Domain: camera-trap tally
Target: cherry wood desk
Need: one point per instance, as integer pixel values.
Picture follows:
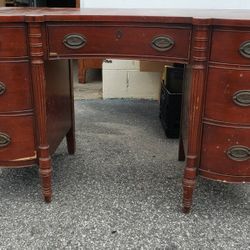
(36, 99)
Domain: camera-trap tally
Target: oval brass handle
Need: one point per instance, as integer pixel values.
(245, 49)
(74, 41)
(242, 98)
(4, 140)
(238, 153)
(162, 43)
(2, 88)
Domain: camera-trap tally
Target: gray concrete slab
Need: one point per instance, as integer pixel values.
(122, 190)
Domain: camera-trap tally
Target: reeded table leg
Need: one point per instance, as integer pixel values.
(39, 92)
(195, 102)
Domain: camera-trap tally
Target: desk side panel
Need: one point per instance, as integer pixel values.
(58, 103)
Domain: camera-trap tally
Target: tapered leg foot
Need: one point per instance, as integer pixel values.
(189, 181)
(45, 170)
(181, 155)
(186, 210)
(47, 199)
(187, 195)
(71, 145)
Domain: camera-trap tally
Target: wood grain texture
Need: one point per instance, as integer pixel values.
(229, 17)
(20, 129)
(121, 41)
(58, 101)
(217, 140)
(226, 44)
(207, 41)
(223, 84)
(13, 41)
(17, 95)
(39, 91)
(198, 70)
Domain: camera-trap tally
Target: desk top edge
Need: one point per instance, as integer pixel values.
(202, 16)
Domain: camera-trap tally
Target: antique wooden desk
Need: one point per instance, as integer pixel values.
(36, 100)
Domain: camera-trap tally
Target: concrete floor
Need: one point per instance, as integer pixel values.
(92, 89)
(121, 190)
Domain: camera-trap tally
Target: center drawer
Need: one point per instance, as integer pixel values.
(77, 40)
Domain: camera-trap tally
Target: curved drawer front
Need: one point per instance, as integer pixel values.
(226, 150)
(231, 47)
(16, 138)
(228, 95)
(118, 40)
(14, 87)
(13, 41)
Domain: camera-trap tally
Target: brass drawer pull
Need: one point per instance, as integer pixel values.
(245, 49)
(238, 153)
(2, 88)
(4, 140)
(74, 41)
(242, 97)
(162, 43)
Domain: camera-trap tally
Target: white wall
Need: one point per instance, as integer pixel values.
(209, 4)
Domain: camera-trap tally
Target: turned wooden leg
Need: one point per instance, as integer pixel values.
(81, 71)
(189, 181)
(45, 170)
(71, 145)
(194, 101)
(181, 154)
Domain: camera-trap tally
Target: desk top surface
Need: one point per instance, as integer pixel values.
(188, 16)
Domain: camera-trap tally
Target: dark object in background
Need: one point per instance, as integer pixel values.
(27, 3)
(61, 3)
(171, 99)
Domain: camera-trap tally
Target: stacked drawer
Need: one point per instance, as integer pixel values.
(16, 110)
(226, 132)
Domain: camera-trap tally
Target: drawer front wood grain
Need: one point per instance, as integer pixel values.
(115, 40)
(228, 95)
(15, 87)
(13, 41)
(231, 46)
(16, 138)
(226, 150)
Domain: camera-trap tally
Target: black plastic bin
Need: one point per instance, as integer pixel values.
(171, 99)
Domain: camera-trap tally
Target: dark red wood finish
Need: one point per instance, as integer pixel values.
(58, 103)
(122, 41)
(223, 84)
(210, 42)
(16, 78)
(226, 44)
(20, 129)
(217, 140)
(13, 40)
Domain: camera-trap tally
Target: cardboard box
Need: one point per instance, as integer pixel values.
(2, 3)
(131, 84)
(151, 66)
